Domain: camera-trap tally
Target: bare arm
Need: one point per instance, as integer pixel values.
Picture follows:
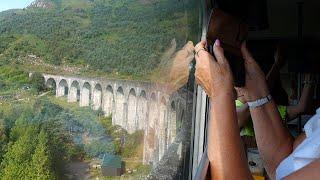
(301, 107)
(243, 113)
(225, 152)
(273, 140)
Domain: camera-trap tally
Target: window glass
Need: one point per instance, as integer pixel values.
(96, 88)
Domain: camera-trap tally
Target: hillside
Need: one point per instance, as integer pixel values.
(122, 37)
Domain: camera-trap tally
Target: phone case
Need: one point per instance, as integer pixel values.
(231, 32)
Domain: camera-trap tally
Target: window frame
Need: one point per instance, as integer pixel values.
(200, 117)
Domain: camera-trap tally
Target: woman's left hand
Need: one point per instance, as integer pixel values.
(213, 75)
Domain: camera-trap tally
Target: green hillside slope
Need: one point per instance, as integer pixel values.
(123, 37)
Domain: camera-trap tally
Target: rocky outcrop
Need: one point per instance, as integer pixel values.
(45, 4)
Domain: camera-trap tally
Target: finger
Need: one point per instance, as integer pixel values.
(245, 53)
(200, 45)
(239, 91)
(189, 46)
(218, 52)
(202, 53)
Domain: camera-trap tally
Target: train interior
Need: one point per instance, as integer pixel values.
(287, 32)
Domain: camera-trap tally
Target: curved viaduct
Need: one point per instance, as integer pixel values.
(133, 105)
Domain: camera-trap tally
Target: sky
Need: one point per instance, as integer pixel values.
(14, 4)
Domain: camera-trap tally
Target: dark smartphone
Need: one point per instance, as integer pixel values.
(231, 32)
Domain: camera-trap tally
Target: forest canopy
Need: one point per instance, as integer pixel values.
(122, 37)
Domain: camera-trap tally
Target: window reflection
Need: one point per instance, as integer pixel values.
(102, 86)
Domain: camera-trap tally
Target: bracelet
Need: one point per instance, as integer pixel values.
(260, 102)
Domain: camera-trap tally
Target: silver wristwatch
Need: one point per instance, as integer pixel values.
(260, 102)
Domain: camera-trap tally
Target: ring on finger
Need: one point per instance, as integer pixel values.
(202, 49)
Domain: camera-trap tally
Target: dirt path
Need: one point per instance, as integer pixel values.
(43, 94)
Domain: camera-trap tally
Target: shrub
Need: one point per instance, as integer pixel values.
(37, 82)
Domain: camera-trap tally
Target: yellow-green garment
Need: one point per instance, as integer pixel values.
(247, 130)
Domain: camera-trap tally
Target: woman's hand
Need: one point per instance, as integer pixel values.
(214, 76)
(256, 85)
(179, 72)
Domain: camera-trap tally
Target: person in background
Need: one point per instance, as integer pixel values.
(284, 157)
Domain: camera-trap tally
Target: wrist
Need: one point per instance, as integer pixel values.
(260, 102)
(221, 91)
(257, 95)
(222, 96)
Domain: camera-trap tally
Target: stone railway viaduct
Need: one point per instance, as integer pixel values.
(133, 105)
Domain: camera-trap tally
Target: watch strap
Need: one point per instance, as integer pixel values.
(260, 102)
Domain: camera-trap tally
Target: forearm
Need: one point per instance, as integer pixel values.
(225, 152)
(305, 97)
(273, 139)
(301, 107)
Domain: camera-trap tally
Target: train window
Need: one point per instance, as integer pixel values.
(98, 89)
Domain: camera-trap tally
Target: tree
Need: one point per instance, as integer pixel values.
(41, 164)
(37, 81)
(17, 159)
(3, 138)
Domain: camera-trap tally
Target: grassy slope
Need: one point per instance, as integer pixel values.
(123, 38)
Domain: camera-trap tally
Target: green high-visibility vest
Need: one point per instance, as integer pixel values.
(247, 130)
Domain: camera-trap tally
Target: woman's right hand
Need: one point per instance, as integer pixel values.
(256, 84)
(213, 75)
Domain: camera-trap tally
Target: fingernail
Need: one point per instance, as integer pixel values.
(217, 43)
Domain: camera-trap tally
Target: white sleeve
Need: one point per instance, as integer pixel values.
(313, 124)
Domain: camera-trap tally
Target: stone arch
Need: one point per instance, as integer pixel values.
(51, 85)
(108, 101)
(120, 108)
(179, 112)
(182, 115)
(63, 88)
(172, 122)
(97, 97)
(153, 110)
(85, 97)
(142, 109)
(153, 97)
(74, 92)
(152, 137)
(162, 127)
(132, 111)
(173, 106)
